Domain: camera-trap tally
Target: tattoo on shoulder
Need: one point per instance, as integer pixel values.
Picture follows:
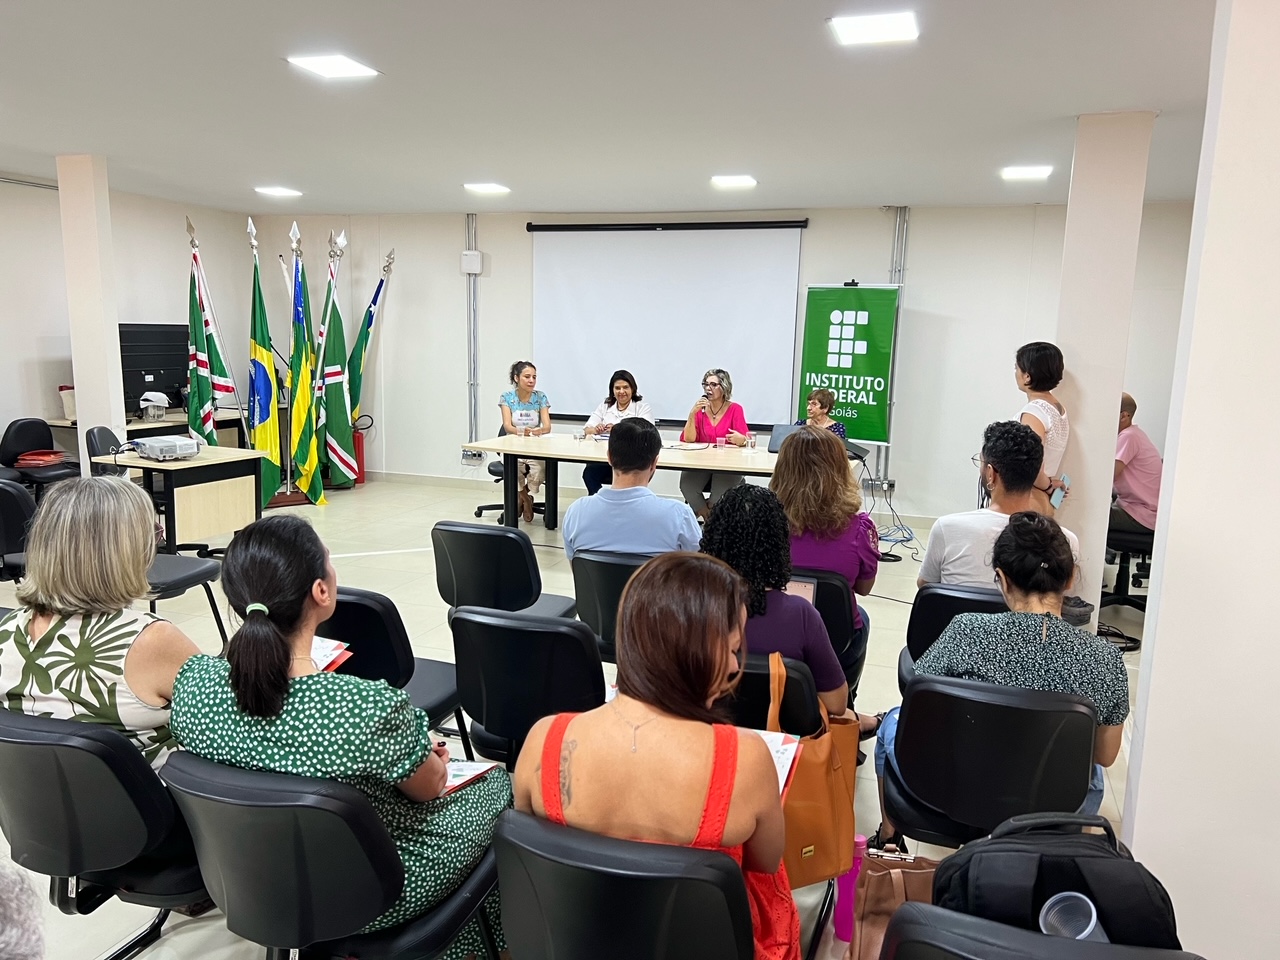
(566, 774)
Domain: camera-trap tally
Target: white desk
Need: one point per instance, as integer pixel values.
(556, 447)
(175, 421)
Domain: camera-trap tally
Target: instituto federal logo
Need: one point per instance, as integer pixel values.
(842, 338)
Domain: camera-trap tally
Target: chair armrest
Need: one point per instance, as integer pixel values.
(906, 669)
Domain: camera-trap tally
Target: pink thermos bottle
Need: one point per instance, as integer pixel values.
(846, 892)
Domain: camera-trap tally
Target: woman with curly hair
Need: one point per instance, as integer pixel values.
(748, 530)
(829, 531)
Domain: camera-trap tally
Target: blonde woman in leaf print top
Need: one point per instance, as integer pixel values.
(75, 649)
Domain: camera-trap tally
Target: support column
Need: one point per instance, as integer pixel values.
(89, 256)
(1099, 259)
(1203, 777)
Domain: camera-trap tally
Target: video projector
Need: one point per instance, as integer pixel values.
(166, 448)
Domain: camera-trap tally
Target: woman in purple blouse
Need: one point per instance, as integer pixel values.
(829, 531)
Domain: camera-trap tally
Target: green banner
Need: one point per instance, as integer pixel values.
(848, 349)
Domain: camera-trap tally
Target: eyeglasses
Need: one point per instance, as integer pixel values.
(977, 460)
(711, 383)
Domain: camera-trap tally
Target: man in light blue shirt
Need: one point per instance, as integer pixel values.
(628, 517)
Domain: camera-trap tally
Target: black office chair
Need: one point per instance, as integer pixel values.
(935, 606)
(1129, 546)
(572, 895)
(370, 625)
(516, 668)
(79, 804)
(482, 566)
(971, 755)
(498, 472)
(834, 602)
(748, 705)
(102, 442)
(298, 863)
(8, 474)
(17, 507)
(921, 931)
(598, 579)
(23, 436)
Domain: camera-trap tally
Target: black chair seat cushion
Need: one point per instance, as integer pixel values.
(13, 566)
(155, 882)
(1126, 541)
(434, 688)
(7, 473)
(495, 469)
(488, 745)
(50, 474)
(171, 575)
(915, 818)
(553, 605)
(424, 937)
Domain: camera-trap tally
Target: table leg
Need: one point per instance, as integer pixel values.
(551, 494)
(510, 490)
(170, 509)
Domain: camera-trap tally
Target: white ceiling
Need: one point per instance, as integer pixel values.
(592, 105)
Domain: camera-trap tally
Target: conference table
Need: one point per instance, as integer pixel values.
(214, 493)
(553, 448)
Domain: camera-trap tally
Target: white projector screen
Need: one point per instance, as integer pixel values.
(667, 305)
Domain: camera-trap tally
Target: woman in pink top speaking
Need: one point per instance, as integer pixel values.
(712, 418)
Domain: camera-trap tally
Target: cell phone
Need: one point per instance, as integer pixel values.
(1060, 494)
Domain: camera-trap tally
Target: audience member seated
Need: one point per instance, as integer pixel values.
(959, 549)
(267, 707)
(1038, 368)
(748, 530)
(1137, 475)
(658, 763)
(820, 403)
(1031, 646)
(624, 401)
(820, 495)
(74, 649)
(629, 517)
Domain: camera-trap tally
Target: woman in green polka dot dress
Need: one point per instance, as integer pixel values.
(267, 707)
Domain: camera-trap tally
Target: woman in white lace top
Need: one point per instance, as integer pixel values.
(1038, 368)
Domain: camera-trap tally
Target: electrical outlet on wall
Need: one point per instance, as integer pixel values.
(472, 458)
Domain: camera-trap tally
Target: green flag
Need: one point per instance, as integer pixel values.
(301, 369)
(360, 349)
(264, 426)
(199, 387)
(336, 403)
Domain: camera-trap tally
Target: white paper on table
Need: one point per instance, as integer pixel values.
(324, 651)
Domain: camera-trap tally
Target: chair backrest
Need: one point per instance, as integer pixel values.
(370, 625)
(483, 565)
(834, 601)
(921, 931)
(290, 860)
(937, 603)
(749, 703)
(598, 579)
(17, 507)
(1131, 542)
(572, 895)
(29, 433)
(982, 753)
(100, 441)
(76, 797)
(779, 432)
(516, 668)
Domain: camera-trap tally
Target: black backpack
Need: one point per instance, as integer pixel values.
(1009, 875)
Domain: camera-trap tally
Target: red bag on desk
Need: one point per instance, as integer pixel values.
(40, 458)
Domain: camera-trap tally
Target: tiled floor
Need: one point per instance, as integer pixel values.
(380, 539)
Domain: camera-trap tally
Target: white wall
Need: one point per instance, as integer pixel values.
(979, 282)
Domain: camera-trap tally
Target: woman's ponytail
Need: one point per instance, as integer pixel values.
(267, 576)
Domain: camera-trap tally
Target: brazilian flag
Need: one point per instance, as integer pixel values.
(264, 427)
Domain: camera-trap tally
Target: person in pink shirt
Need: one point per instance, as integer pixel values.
(713, 417)
(1137, 475)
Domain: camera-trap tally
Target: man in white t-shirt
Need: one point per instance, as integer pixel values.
(959, 550)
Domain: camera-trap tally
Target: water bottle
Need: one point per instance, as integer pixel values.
(846, 892)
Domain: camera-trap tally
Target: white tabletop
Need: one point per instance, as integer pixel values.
(564, 446)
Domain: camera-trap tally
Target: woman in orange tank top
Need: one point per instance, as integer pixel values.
(656, 763)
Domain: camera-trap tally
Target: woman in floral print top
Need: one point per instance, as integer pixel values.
(74, 649)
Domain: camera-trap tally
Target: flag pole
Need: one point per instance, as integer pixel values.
(203, 290)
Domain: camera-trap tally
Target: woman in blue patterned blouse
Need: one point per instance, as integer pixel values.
(820, 404)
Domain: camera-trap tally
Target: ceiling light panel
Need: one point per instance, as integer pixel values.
(333, 66)
(877, 28)
(489, 188)
(1026, 173)
(735, 181)
(278, 191)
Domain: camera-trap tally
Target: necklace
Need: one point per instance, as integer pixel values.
(635, 727)
(715, 414)
(310, 660)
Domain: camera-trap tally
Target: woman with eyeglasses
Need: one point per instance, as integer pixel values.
(714, 417)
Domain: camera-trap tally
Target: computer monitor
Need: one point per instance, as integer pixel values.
(153, 356)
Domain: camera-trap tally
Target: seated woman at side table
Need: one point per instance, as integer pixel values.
(1031, 646)
(712, 418)
(658, 763)
(74, 649)
(267, 707)
(829, 531)
(623, 401)
(526, 411)
(820, 403)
